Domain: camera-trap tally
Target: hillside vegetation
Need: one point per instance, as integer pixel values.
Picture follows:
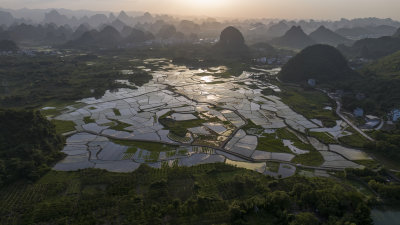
(206, 194)
(7, 45)
(32, 82)
(387, 67)
(29, 145)
(372, 48)
(321, 62)
(380, 83)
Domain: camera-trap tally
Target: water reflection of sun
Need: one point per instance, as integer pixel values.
(207, 79)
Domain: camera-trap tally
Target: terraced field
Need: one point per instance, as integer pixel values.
(183, 110)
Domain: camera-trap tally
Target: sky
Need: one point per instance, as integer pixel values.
(288, 9)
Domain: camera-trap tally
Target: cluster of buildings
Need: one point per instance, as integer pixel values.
(30, 52)
(372, 122)
(273, 60)
(394, 115)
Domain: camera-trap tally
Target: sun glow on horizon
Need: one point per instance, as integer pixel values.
(204, 5)
(207, 3)
(283, 9)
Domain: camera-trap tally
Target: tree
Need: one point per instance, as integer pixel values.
(29, 145)
(305, 218)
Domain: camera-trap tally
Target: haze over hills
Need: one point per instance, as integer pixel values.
(271, 28)
(278, 29)
(294, 38)
(7, 45)
(325, 36)
(6, 18)
(397, 34)
(109, 37)
(369, 31)
(372, 48)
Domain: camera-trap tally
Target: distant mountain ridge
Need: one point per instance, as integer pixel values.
(6, 18)
(7, 45)
(109, 37)
(326, 36)
(357, 33)
(278, 29)
(294, 38)
(397, 34)
(372, 48)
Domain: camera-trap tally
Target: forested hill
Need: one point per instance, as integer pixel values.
(372, 48)
(29, 145)
(380, 83)
(388, 66)
(7, 45)
(323, 63)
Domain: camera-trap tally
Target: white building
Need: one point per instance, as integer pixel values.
(312, 82)
(358, 112)
(395, 115)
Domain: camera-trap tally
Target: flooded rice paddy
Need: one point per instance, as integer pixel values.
(130, 127)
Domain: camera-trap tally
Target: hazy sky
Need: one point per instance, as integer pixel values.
(291, 9)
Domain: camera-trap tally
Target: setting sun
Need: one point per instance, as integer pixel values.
(207, 3)
(203, 6)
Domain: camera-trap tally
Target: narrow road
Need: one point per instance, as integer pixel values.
(339, 113)
(380, 125)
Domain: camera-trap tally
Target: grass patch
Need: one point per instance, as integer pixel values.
(204, 74)
(119, 126)
(284, 133)
(153, 157)
(307, 170)
(371, 164)
(251, 128)
(323, 137)
(270, 143)
(273, 142)
(216, 82)
(50, 112)
(131, 149)
(251, 125)
(355, 140)
(117, 112)
(63, 126)
(225, 74)
(310, 103)
(182, 152)
(253, 86)
(273, 166)
(171, 153)
(88, 120)
(180, 128)
(314, 158)
(149, 146)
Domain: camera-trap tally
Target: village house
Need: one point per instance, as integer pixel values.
(358, 112)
